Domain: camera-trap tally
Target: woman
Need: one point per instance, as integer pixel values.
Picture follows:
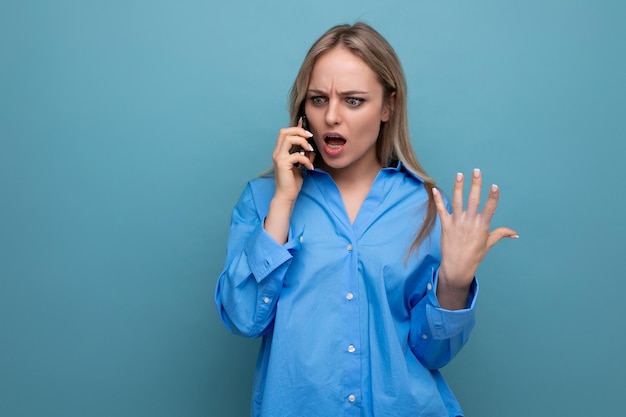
(345, 259)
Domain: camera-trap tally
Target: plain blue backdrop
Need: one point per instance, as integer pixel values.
(129, 128)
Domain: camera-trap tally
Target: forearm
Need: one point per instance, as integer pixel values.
(450, 296)
(249, 287)
(277, 221)
(255, 266)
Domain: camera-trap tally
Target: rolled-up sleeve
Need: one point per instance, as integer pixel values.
(437, 335)
(264, 254)
(250, 284)
(445, 324)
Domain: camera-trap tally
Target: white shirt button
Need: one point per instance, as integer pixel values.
(266, 300)
(349, 247)
(429, 286)
(424, 336)
(351, 348)
(301, 239)
(349, 296)
(352, 398)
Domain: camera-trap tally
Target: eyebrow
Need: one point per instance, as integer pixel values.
(342, 93)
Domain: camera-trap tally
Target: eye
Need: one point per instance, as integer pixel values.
(354, 101)
(318, 100)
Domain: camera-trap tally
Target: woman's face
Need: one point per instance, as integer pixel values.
(345, 105)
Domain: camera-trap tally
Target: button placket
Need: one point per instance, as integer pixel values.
(351, 337)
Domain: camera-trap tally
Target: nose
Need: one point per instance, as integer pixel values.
(333, 113)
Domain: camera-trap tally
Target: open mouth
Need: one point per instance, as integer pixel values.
(334, 142)
(334, 145)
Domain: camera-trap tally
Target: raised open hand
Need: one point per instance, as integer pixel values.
(465, 239)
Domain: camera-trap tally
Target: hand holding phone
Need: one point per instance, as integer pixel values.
(298, 148)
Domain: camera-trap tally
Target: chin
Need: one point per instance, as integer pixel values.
(334, 163)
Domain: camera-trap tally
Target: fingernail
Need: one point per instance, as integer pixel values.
(459, 177)
(494, 188)
(309, 133)
(300, 121)
(515, 237)
(435, 191)
(302, 153)
(311, 148)
(476, 172)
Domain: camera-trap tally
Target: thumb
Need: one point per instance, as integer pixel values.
(500, 233)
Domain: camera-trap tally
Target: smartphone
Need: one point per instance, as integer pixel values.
(305, 125)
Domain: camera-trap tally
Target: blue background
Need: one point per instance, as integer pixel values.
(129, 128)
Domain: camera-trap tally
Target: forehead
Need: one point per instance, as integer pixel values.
(342, 69)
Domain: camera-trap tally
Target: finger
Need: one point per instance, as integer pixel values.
(286, 162)
(311, 158)
(296, 166)
(299, 144)
(474, 195)
(500, 233)
(439, 204)
(286, 132)
(491, 205)
(304, 159)
(457, 198)
(291, 141)
(303, 131)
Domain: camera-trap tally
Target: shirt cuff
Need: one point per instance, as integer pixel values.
(443, 323)
(265, 254)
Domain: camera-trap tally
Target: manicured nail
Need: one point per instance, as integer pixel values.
(435, 191)
(476, 172)
(494, 188)
(309, 134)
(311, 148)
(459, 177)
(515, 237)
(302, 153)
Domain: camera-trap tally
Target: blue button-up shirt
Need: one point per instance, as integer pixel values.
(351, 326)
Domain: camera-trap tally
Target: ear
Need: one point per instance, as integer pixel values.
(388, 107)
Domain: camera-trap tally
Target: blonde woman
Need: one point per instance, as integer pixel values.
(345, 259)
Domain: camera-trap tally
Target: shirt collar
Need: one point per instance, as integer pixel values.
(394, 166)
(398, 166)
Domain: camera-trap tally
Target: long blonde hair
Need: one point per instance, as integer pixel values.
(394, 142)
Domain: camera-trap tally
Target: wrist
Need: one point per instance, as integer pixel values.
(452, 294)
(454, 283)
(282, 202)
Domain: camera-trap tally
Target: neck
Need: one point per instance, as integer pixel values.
(355, 176)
